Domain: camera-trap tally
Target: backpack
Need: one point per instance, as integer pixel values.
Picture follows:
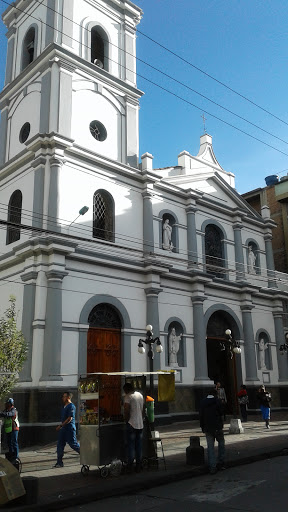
(243, 400)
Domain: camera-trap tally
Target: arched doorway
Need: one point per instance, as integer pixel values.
(104, 355)
(221, 366)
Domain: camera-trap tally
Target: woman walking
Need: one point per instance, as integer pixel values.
(264, 398)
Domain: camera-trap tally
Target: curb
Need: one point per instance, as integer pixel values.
(137, 486)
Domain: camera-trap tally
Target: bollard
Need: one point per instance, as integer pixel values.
(195, 452)
(31, 486)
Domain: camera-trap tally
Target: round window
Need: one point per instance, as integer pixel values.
(24, 132)
(98, 130)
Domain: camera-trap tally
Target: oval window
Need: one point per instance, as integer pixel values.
(98, 130)
(24, 132)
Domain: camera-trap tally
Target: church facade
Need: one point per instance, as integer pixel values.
(94, 245)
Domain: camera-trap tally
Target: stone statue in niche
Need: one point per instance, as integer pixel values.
(251, 260)
(261, 349)
(167, 244)
(174, 345)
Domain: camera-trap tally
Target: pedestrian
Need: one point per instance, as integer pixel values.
(243, 401)
(133, 415)
(11, 429)
(67, 429)
(264, 398)
(211, 423)
(222, 396)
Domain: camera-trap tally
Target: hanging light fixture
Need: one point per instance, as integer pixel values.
(234, 346)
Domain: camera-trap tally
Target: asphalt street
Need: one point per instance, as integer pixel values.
(258, 487)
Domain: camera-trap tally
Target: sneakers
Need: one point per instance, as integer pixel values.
(267, 426)
(212, 471)
(58, 465)
(220, 466)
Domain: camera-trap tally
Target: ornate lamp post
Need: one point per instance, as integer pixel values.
(149, 340)
(284, 348)
(234, 346)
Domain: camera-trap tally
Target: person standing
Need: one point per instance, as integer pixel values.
(11, 429)
(67, 429)
(222, 396)
(211, 423)
(243, 401)
(133, 415)
(264, 398)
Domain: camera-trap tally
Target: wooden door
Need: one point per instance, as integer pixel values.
(104, 355)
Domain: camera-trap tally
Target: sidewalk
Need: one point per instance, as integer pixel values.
(67, 486)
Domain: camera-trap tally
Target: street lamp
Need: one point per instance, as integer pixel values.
(233, 345)
(284, 348)
(82, 211)
(149, 340)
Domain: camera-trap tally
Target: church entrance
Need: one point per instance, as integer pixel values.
(104, 355)
(222, 365)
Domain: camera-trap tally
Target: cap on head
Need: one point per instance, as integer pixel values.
(10, 401)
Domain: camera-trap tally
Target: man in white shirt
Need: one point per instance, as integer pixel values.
(133, 414)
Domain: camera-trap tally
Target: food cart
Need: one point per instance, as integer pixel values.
(101, 422)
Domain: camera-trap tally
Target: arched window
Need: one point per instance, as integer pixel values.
(103, 215)
(14, 216)
(214, 254)
(99, 47)
(29, 48)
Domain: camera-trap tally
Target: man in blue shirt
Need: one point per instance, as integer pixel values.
(67, 429)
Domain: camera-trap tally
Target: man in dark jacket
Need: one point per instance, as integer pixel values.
(211, 423)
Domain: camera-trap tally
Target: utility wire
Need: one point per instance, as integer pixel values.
(172, 93)
(211, 77)
(103, 249)
(168, 76)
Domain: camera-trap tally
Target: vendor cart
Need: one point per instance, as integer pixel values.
(102, 427)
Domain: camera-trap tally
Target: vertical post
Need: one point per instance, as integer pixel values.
(270, 261)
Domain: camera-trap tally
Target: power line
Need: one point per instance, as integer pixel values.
(168, 76)
(172, 93)
(211, 77)
(109, 250)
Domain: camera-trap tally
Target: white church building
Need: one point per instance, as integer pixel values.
(177, 248)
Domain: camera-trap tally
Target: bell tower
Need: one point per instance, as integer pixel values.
(71, 74)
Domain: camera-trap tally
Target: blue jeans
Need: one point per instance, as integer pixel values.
(210, 438)
(66, 435)
(265, 412)
(12, 441)
(134, 443)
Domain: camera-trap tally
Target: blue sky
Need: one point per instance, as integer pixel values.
(240, 43)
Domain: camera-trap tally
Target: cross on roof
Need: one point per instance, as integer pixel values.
(204, 119)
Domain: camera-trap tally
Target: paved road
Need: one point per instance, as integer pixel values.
(258, 487)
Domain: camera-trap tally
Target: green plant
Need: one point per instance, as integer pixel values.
(13, 349)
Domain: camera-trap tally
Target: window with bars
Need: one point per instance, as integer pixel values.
(14, 216)
(214, 251)
(103, 216)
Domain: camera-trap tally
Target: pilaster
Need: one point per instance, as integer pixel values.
(148, 231)
(199, 331)
(279, 338)
(53, 327)
(249, 343)
(28, 309)
(239, 257)
(191, 236)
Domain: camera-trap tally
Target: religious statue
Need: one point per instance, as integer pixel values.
(174, 343)
(261, 348)
(167, 236)
(251, 260)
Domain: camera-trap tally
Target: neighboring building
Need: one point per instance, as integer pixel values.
(86, 288)
(274, 195)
